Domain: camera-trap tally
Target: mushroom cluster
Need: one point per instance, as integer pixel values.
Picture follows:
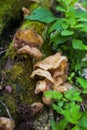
(53, 73)
(27, 41)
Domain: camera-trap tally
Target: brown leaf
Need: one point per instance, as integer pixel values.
(42, 73)
(6, 123)
(51, 62)
(33, 51)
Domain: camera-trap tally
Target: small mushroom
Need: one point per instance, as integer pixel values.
(6, 123)
(36, 107)
(42, 85)
(42, 73)
(47, 101)
(33, 51)
(25, 11)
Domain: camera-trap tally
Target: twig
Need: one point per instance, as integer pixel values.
(7, 110)
(83, 108)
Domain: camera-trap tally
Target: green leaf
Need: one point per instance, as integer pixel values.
(57, 25)
(60, 8)
(61, 125)
(73, 95)
(53, 94)
(71, 112)
(83, 121)
(78, 44)
(53, 125)
(42, 15)
(66, 33)
(76, 127)
(83, 83)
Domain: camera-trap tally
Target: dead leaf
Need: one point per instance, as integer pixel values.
(33, 51)
(42, 73)
(6, 123)
(51, 62)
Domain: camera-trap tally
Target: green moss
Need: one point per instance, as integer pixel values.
(8, 99)
(10, 11)
(37, 26)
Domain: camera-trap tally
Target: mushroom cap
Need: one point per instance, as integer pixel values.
(42, 85)
(47, 101)
(64, 87)
(51, 62)
(6, 123)
(27, 37)
(33, 51)
(36, 107)
(42, 73)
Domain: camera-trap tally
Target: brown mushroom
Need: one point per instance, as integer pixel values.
(25, 11)
(47, 101)
(51, 62)
(33, 51)
(42, 85)
(42, 73)
(26, 41)
(27, 37)
(6, 123)
(37, 106)
(64, 87)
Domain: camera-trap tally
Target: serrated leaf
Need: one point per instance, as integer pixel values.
(66, 33)
(71, 113)
(41, 15)
(53, 125)
(83, 121)
(53, 94)
(78, 44)
(73, 95)
(61, 125)
(83, 84)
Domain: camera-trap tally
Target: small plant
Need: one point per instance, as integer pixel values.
(67, 33)
(66, 105)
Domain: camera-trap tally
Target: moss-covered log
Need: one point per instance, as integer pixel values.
(16, 69)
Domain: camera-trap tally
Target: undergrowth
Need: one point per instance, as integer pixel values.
(67, 32)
